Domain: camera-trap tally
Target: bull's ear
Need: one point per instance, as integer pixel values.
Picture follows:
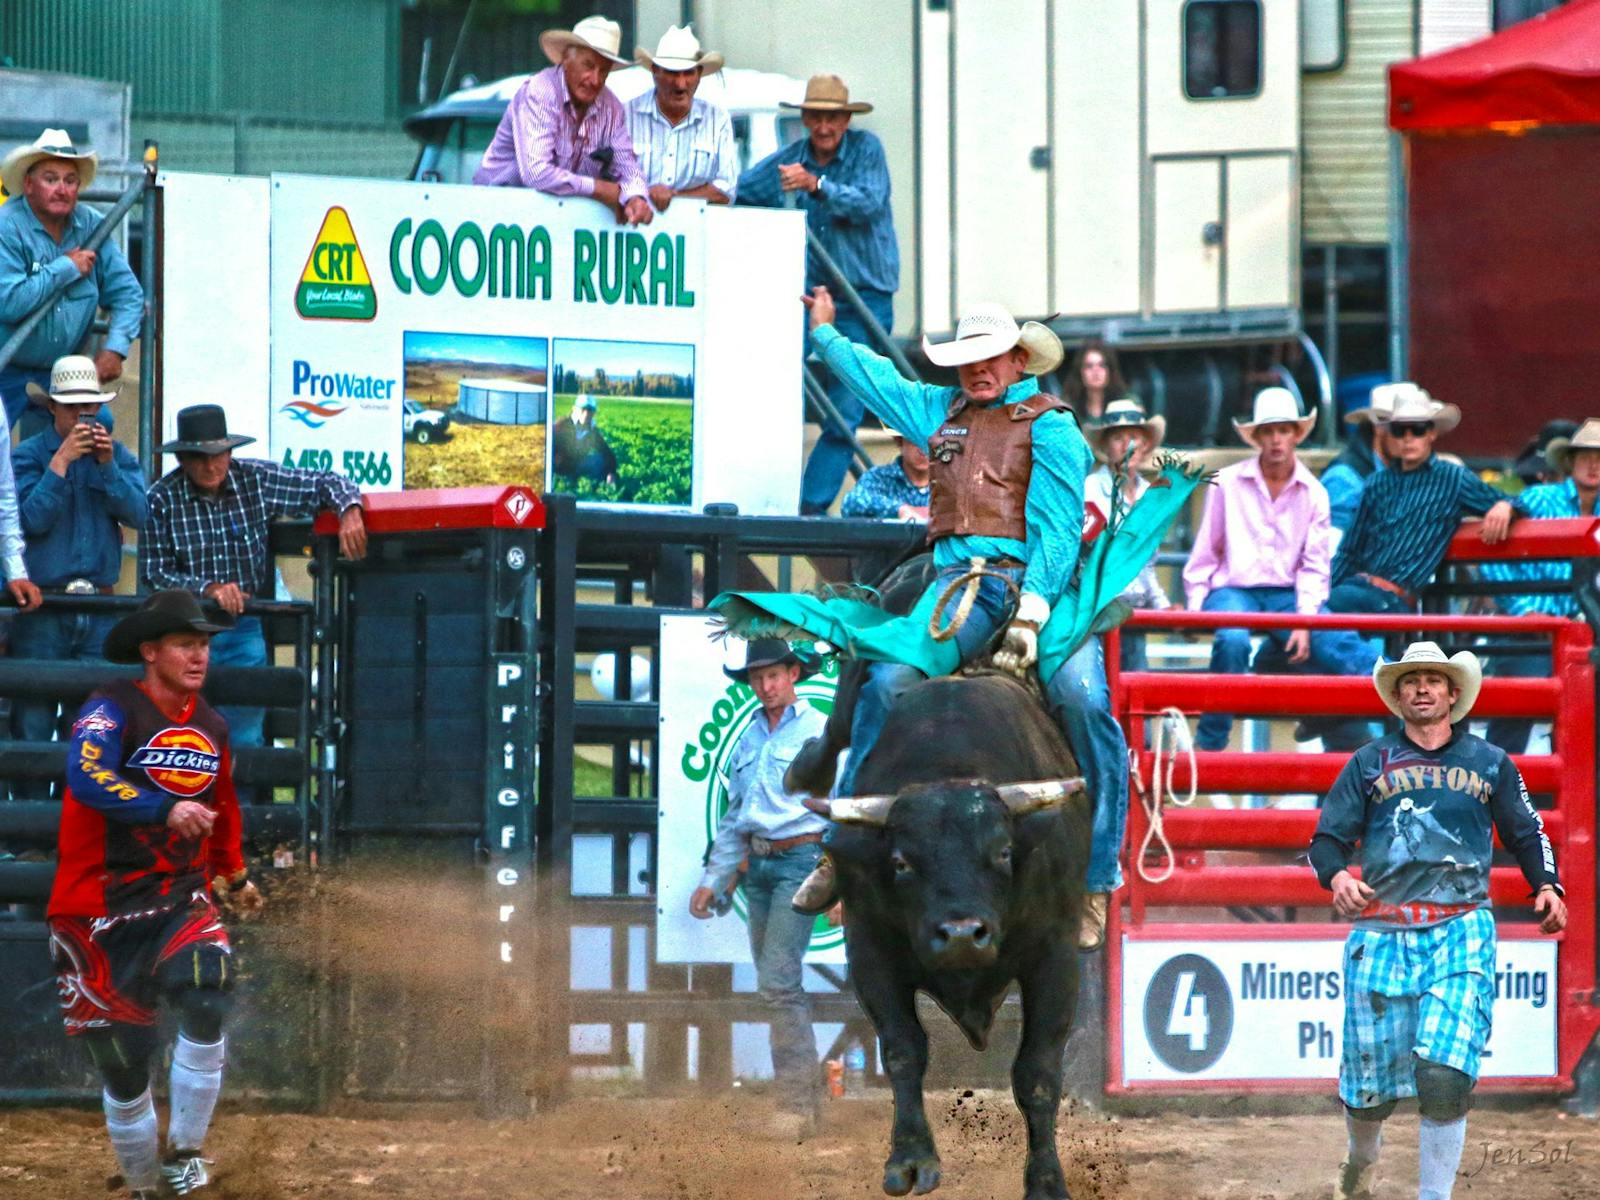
(861, 810)
(1023, 798)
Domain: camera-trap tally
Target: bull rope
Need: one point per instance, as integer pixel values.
(970, 579)
(1155, 797)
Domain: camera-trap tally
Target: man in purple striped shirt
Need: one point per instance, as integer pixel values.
(564, 133)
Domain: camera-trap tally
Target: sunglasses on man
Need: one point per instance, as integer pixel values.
(1417, 429)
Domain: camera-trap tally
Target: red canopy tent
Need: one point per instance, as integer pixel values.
(1503, 171)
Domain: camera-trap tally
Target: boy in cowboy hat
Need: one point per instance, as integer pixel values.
(1262, 545)
(150, 833)
(41, 251)
(564, 132)
(840, 177)
(782, 840)
(1423, 805)
(77, 490)
(1123, 441)
(206, 533)
(685, 145)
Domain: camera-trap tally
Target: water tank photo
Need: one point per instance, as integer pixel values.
(502, 401)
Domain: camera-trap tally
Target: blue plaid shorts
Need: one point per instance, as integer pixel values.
(1426, 992)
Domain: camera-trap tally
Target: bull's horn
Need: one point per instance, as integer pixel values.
(1022, 798)
(861, 810)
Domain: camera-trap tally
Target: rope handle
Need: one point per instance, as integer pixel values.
(971, 578)
(1161, 775)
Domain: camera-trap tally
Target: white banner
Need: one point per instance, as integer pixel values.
(703, 714)
(1269, 1010)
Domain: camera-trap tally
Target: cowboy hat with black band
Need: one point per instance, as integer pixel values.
(203, 429)
(52, 143)
(771, 652)
(166, 612)
(1124, 413)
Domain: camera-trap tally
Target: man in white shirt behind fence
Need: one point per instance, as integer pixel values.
(685, 145)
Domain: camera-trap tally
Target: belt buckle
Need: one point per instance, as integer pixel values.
(759, 846)
(80, 587)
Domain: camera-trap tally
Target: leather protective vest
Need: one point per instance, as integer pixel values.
(981, 460)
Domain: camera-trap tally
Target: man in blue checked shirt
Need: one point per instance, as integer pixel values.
(893, 491)
(1578, 458)
(840, 177)
(207, 533)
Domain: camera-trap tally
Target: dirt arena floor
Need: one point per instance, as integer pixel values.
(715, 1150)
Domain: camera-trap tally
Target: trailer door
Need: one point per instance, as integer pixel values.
(1187, 245)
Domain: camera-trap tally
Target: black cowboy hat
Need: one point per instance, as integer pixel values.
(163, 613)
(203, 429)
(769, 652)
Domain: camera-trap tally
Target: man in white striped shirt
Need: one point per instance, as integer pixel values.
(685, 146)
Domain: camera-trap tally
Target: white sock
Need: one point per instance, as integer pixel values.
(136, 1138)
(1440, 1144)
(1366, 1139)
(196, 1082)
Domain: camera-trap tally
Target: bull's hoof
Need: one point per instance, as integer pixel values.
(1044, 1181)
(911, 1171)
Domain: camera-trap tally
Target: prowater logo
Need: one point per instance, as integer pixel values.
(335, 285)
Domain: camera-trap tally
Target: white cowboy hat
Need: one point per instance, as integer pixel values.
(679, 50)
(600, 34)
(1558, 451)
(989, 330)
(1124, 413)
(73, 380)
(1462, 669)
(1274, 406)
(1413, 404)
(1380, 402)
(827, 93)
(52, 143)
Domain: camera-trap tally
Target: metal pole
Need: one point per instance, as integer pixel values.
(148, 335)
(1330, 312)
(876, 333)
(447, 80)
(830, 416)
(1399, 263)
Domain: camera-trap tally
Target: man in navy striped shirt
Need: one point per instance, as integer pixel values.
(1402, 528)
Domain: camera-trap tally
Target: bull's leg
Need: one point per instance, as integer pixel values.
(1049, 996)
(890, 1002)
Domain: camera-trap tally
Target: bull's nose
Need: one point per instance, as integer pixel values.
(969, 933)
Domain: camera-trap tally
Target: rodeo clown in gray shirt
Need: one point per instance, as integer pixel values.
(782, 840)
(1419, 966)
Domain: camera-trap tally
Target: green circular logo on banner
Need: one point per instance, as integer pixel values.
(730, 716)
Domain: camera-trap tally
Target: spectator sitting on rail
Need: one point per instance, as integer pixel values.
(840, 178)
(565, 133)
(207, 533)
(1094, 379)
(77, 489)
(1262, 546)
(578, 449)
(1124, 441)
(685, 145)
(893, 490)
(1364, 452)
(1403, 525)
(1578, 459)
(1424, 805)
(781, 838)
(41, 248)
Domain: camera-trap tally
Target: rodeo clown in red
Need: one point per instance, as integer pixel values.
(149, 825)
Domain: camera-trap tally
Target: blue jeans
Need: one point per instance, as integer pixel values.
(1346, 652)
(1230, 651)
(830, 457)
(778, 940)
(1080, 701)
(1511, 733)
(886, 681)
(14, 381)
(55, 636)
(242, 646)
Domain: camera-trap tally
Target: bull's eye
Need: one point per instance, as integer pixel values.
(901, 864)
(1004, 857)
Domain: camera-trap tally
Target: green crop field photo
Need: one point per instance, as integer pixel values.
(653, 441)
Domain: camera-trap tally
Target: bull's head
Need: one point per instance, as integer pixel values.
(949, 852)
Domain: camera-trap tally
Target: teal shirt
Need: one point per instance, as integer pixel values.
(1053, 513)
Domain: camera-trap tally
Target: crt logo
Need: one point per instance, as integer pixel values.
(180, 759)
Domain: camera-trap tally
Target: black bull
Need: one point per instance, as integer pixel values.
(953, 888)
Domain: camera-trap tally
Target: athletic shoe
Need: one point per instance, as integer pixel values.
(1356, 1182)
(185, 1174)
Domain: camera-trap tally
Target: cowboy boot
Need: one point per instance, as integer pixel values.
(1092, 929)
(818, 891)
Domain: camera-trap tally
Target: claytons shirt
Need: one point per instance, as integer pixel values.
(1425, 821)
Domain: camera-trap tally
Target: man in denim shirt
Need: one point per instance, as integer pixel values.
(76, 489)
(42, 232)
(782, 840)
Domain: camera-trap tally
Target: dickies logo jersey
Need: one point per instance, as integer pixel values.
(180, 759)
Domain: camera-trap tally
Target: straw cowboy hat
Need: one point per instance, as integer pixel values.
(827, 93)
(203, 429)
(1558, 451)
(73, 380)
(1413, 404)
(1126, 413)
(163, 613)
(989, 330)
(1462, 669)
(1380, 402)
(679, 50)
(1274, 406)
(52, 143)
(600, 34)
(769, 652)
